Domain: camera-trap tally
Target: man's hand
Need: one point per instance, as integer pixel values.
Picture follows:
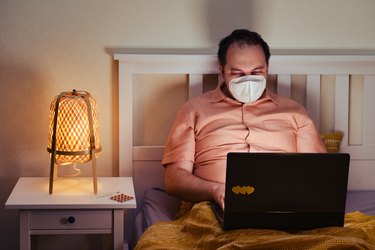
(219, 194)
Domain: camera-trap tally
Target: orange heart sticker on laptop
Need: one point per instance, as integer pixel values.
(243, 190)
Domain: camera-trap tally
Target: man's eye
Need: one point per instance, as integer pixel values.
(236, 73)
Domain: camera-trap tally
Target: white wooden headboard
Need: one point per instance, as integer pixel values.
(337, 90)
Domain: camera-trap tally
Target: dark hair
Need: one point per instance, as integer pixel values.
(241, 37)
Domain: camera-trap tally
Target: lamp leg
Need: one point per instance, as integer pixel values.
(55, 172)
(94, 176)
(51, 175)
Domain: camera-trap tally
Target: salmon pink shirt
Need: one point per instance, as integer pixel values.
(209, 126)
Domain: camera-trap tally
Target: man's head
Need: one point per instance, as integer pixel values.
(244, 53)
(241, 37)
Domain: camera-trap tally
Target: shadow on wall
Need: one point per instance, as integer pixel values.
(222, 18)
(225, 16)
(24, 130)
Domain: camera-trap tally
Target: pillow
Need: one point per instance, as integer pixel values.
(332, 141)
(158, 206)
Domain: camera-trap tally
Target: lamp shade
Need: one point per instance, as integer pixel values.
(73, 131)
(69, 126)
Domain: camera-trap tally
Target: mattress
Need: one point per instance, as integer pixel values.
(361, 200)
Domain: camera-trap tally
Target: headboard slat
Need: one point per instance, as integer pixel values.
(313, 98)
(341, 96)
(284, 83)
(195, 85)
(368, 110)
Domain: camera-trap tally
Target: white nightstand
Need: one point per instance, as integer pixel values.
(71, 209)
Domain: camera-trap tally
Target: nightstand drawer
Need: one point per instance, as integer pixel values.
(70, 219)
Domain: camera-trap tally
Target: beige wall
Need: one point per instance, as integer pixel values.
(47, 47)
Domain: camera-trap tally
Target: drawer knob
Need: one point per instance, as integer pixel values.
(70, 220)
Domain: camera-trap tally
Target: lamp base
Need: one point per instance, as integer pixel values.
(53, 175)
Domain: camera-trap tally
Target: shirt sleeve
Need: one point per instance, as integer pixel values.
(180, 144)
(308, 139)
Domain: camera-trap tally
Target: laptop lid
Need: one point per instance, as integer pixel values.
(285, 190)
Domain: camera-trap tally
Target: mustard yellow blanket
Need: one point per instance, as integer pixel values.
(199, 229)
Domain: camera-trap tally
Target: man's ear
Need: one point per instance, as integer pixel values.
(221, 70)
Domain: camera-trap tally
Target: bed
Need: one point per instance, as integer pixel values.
(337, 91)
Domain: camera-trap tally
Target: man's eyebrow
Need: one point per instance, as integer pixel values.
(259, 67)
(256, 68)
(235, 69)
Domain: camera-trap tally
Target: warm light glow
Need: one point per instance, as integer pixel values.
(73, 186)
(72, 129)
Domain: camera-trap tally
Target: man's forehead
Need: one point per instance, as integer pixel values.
(244, 55)
(243, 45)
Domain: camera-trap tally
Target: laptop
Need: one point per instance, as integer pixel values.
(284, 191)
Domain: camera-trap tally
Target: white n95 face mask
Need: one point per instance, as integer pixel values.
(247, 89)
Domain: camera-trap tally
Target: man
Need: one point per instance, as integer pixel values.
(239, 116)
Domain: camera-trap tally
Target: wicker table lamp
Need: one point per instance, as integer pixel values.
(73, 132)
